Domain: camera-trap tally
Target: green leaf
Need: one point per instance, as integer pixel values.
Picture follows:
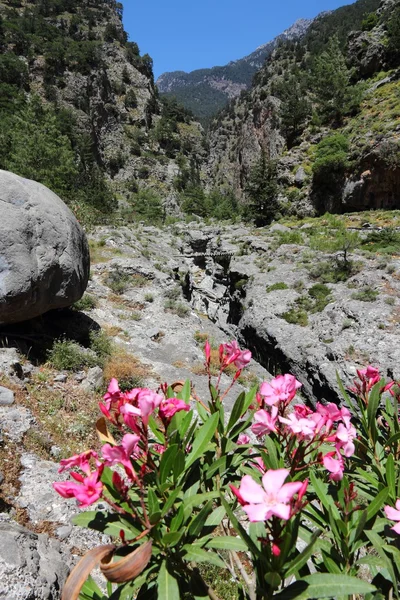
(91, 591)
(377, 503)
(272, 454)
(179, 464)
(196, 554)
(216, 517)
(153, 504)
(394, 438)
(297, 563)
(171, 500)
(197, 524)
(240, 529)
(237, 411)
(326, 499)
(227, 543)
(372, 408)
(168, 588)
(172, 538)
(167, 462)
(391, 475)
(203, 437)
(357, 533)
(184, 394)
(155, 430)
(109, 524)
(202, 412)
(325, 585)
(345, 395)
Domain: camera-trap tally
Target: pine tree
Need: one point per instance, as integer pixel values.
(262, 191)
(334, 94)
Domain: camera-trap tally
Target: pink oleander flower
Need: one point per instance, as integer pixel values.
(304, 428)
(265, 421)
(370, 375)
(281, 389)
(122, 454)
(272, 499)
(78, 460)
(345, 435)
(207, 351)
(302, 411)
(141, 404)
(168, 407)
(231, 353)
(394, 515)
(159, 448)
(335, 466)
(243, 439)
(87, 491)
(113, 393)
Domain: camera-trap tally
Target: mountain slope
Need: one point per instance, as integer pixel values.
(205, 91)
(68, 73)
(321, 120)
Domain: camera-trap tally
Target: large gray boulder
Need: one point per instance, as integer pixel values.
(44, 254)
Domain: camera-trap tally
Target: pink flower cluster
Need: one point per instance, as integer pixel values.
(124, 410)
(328, 423)
(273, 498)
(136, 406)
(231, 353)
(86, 488)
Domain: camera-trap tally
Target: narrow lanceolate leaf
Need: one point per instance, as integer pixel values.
(237, 411)
(300, 560)
(216, 517)
(184, 393)
(196, 554)
(203, 437)
(377, 503)
(391, 476)
(168, 588)
(167, 462)
(227, 543)
(325, 585)
(345, 395)
(326, 500)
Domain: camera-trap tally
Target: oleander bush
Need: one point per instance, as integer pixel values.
(291, 501)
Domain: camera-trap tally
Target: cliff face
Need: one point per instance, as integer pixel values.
(287, 117)
(205, 91)
(75, 57)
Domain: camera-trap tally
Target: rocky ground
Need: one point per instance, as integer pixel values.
(158, 294)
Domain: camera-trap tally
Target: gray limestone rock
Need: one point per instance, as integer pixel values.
(32, 567)
(44, 255)
(6, 396)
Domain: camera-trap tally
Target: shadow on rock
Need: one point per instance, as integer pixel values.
(34, 338)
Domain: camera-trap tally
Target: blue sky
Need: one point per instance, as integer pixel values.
(183, 35)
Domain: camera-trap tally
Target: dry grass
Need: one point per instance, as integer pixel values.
(200, 369)
(128, 369)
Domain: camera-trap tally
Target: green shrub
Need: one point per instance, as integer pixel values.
(365, 295)
(386, 241)
(296, 316)
(333, 271)
(370, 21)
(280, 285)
(87, 302)
(330, 159)
(70, 356)
(101, 344)
(118, 281)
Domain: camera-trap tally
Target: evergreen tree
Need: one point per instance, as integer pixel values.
(295, 108)
(262, 191)
(39, 151)
(334, 94)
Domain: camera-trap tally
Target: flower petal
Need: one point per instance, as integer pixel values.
(251, 491)
(256, 512)
(288, 490)
(273, 480)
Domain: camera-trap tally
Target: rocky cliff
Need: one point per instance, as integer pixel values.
(324, 112)
(206, 91)
(71, 62)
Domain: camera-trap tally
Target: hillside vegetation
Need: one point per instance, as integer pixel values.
(319, 130)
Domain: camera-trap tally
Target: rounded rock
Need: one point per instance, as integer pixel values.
(44, 254)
